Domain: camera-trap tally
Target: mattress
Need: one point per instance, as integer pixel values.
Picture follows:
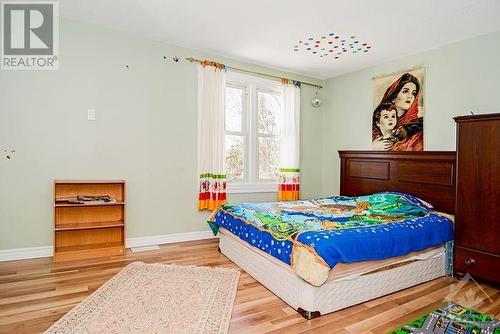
(346, 271)
(337, 292)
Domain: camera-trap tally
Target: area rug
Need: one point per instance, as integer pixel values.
(156, 298)
(451, 318)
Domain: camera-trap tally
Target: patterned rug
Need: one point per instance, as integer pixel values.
(156, 298)
(451, 319)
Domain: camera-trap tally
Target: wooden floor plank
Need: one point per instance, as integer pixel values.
(36, 293)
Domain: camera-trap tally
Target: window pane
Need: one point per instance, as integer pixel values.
(269, 113)
(234, 161)
(269, 158)
(234, 98)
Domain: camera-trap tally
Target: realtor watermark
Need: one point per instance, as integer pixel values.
(30, 35)
(467, 292)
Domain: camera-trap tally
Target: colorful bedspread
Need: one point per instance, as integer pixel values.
(337, 229)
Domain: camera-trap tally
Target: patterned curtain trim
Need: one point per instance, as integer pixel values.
(289, 170)
(212, 191)
(216, 66)
(285, 81)
(289, 184)
(212, 176)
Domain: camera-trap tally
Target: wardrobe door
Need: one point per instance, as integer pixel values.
(478, 185)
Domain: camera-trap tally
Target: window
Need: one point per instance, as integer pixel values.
(253, 113)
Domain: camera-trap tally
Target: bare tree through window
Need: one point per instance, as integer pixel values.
(253, 116)
(234, 164)
(268, 119)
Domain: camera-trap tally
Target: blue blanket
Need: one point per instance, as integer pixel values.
(338, 229)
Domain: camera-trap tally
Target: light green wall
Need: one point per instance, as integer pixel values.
(460, 77)
(145, 133)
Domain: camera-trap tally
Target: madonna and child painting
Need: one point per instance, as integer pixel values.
(398, 117)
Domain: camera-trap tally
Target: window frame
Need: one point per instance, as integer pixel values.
(251, 182)
(244, 122)
(262, 135)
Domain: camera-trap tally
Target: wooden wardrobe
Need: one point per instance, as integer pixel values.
(477, 218)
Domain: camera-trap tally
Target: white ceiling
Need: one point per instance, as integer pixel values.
(264, 31)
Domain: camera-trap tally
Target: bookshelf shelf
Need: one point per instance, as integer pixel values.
(57, 205)
(90, 225)
(72, 249)
(91, 230)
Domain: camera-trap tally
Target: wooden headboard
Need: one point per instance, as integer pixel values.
(426, 175)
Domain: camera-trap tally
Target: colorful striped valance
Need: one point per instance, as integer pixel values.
(212, 191)
(289, 184)
(216, 66)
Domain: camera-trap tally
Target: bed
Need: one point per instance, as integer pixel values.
(380, 236)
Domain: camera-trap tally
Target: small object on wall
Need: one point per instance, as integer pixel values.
(398, 116)
(8, 154)
(176, 59)
(91, 114)
(316, 101)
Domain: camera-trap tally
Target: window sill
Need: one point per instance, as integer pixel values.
(246, 188)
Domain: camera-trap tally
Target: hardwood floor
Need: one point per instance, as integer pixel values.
(35, 293)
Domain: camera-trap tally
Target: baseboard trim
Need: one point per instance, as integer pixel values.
(47, 251)
(25, 253)
(168, 238)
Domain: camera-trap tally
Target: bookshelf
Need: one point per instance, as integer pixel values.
(89, 230)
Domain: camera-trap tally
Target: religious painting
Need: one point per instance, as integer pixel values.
(398, 111)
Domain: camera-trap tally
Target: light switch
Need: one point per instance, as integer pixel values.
(91, 114)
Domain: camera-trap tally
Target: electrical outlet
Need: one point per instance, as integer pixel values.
(91, 114)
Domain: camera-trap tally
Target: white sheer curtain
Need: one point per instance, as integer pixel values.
(212, 180)
(289, 187)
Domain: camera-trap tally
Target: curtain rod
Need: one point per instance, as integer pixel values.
(194, 60)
